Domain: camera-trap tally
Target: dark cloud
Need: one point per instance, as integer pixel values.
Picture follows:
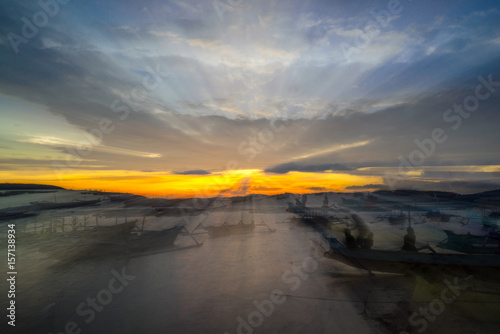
(15, 164)
(294, 167)
(368, 186)
(194, 172)
(318, 188)
(263, 188)
(447, 175)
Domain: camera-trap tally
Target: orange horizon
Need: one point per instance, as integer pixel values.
(224, 184)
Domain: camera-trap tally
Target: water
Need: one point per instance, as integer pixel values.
(258, 282)
(58, 196)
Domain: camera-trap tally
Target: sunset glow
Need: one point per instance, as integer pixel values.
(179, 98)
(225, 184)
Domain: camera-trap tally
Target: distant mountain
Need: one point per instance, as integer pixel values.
(25, 186)
(491, 193)
(487, 198)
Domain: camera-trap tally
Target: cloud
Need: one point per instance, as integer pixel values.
(223, 81)
(89, 144)
(368, 186)
(317, 188)
(334, 148)
(293, 167)
(194, 172)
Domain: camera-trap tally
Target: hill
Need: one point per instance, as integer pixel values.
(26, 186)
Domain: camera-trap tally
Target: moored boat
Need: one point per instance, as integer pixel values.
(480, 265)
(149, 240)
(105, 232)
(492, 220)
(437, 216)
(110, 240)
(84, 243)
(351, 202)
(398, 219)
(469, 243)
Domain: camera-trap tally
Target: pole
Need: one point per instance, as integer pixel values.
(409, 218)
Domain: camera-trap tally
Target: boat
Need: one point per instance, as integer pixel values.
(105, 232)
(149, 240)
(394, 217)
(492, 220)
(109, 240)
(299, 210)
(306, 213)
(397, 219)
(351, 202)
(480, 265)
(225, 229)
(469, 243)
(438, 216)
(80, 241)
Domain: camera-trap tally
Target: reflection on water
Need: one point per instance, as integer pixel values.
(124, 268)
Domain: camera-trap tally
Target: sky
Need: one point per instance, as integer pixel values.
(232, 97)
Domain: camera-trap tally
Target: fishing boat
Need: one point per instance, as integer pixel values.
(83, 243)
(480, 265)
(492, 220)
(109, 240)
(397, 219)
(225, 229)
(105, 232)
(469, 243)
(437, 216)
(308, 214)
(149, 240)
(351, 202)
